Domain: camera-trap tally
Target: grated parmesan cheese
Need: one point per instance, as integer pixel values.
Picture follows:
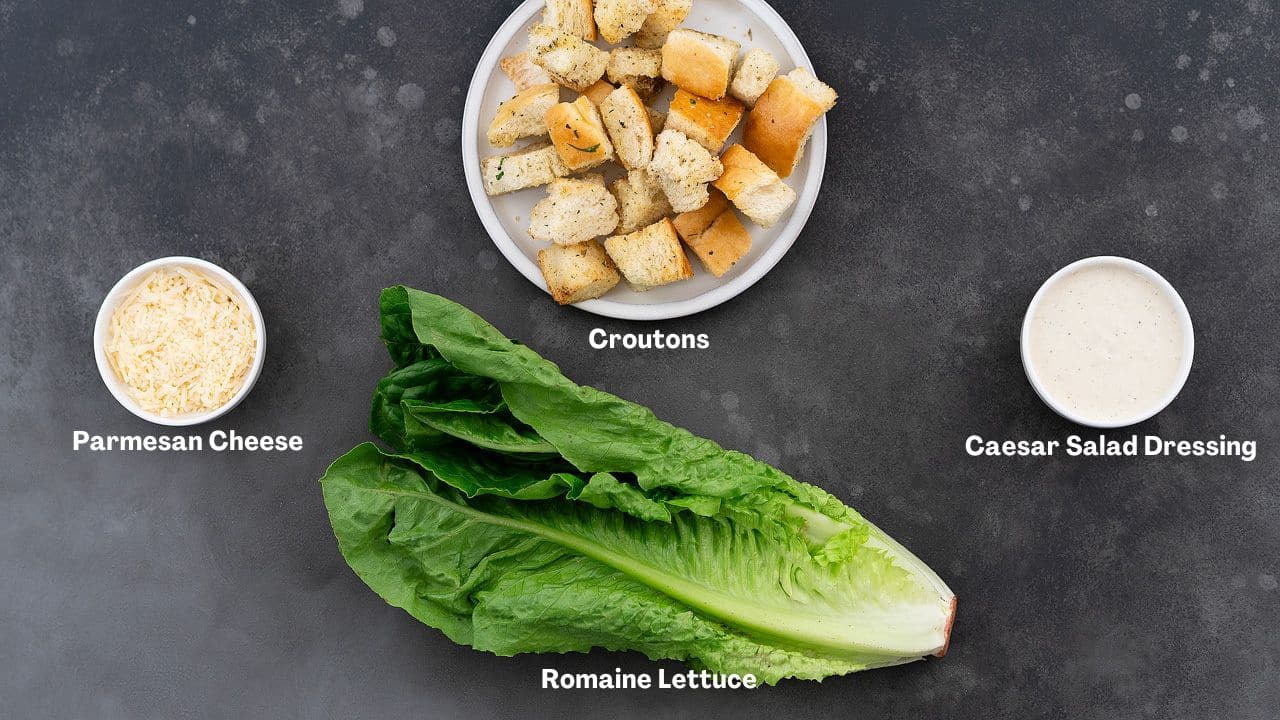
(181, 342)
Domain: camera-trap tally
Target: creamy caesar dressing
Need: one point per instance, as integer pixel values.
(1106, 343)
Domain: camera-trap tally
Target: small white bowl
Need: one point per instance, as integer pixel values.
(1184, 319)
(117, 387)
(754, 23)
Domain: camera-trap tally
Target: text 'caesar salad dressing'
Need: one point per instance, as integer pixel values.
(1106, 343)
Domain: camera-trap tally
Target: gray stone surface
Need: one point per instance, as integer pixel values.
(314, 151)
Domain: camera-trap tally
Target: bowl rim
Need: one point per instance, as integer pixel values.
(1184, 320)
(116, 386)
(788, 233)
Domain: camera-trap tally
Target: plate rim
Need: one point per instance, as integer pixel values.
(807, 198)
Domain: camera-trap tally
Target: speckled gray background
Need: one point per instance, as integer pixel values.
(314, 151)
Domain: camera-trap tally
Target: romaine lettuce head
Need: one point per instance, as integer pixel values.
(520, 512)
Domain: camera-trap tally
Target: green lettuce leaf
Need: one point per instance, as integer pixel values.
(521, 512)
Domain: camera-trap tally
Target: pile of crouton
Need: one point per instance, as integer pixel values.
(681, 187)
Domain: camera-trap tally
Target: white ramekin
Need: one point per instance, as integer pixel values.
(1184, 319)
(117, 387)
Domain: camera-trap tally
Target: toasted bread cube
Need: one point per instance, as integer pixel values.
(684, 168)
(816, 90)
(572, 17)
(568, 59)
(780, 124)
(667, 17)
(629, 62)
(699, 62)
(637, 67)
(578, 134)
(575, 273)
(523, 115)
(627, 121)
(575, 210)
(695, 222)
(753, 187)
(650, 257)
(641, 201)
(535, 165)
(523, 73)
(598, 92)
(722, 245)
(707, 122)
(757, 70)
(618, 19)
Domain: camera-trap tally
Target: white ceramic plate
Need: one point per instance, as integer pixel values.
(751, 22)
(117, 387)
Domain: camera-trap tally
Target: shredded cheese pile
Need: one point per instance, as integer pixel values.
(182, 342)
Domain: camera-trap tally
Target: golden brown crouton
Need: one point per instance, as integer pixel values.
(695, 222)
(523, 115)
(578, 134)
(778, 127)
(753, 187)
(699, 62)
(650, 257)
(707, 122)
(722, 245)
(575, 273)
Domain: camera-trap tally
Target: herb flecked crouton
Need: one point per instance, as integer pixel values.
(535, 165)
(619, 19)
(684, 168)
(637, 67)
(523, 115)
(757, 70)
(626, 119)
(575, 273)
(667, 17)
(641, 201)
(650, 257)
(575, 210)
(707, 122)
(578, 134)
(572, 17)
(568, 59)
(721, 245)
